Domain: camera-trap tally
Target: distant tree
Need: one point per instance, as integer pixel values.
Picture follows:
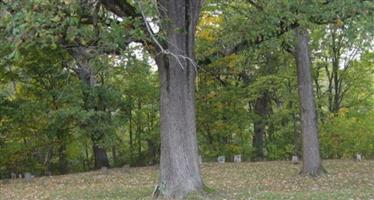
(337, 46)
(278, 21)
(71, 28)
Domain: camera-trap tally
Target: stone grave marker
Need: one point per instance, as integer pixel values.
(104, 170)
(358, 157)
(200, 160)
(221, 159)
(28, 176)
(295, 160)
(238, 158)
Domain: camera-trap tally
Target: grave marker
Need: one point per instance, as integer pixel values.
(28, 176)
(221, 159)
(295, 160)
(238, 158)
(358, 157)
(104, 170)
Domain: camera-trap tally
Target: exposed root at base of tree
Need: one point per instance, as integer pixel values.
(314, 173)
(180, 194)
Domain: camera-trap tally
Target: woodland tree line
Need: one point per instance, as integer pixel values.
(86, 84)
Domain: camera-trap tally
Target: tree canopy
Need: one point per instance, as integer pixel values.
(87, 84)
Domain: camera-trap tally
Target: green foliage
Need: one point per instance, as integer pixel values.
(347, 134)
(50, 116)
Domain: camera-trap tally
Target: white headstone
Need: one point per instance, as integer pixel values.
(358, 157)
(200, 160)
(28, 177)
(221, 159)
(104, 170)
(19, 175)
(237, 158)
(295, 160)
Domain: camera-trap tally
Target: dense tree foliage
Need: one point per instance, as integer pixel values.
(86, 84)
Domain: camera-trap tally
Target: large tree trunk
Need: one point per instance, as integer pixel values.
(180, 171)
(311, 156)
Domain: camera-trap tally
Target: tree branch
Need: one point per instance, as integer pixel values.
(121, 8)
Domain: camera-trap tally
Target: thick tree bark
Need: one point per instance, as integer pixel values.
(311, 156)
(180, 171)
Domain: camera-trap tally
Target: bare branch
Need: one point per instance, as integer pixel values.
(161, 49)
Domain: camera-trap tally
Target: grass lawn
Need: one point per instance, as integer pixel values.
(262, 180)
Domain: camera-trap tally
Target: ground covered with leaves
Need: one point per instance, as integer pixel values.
(262, 180)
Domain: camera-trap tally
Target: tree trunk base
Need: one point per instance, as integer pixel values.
(314, 173)
(180, 191)
(101, 157)
(200, 193)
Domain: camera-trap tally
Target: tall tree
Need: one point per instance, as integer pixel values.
(180, 171)
(311, 153)
(296, 15)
